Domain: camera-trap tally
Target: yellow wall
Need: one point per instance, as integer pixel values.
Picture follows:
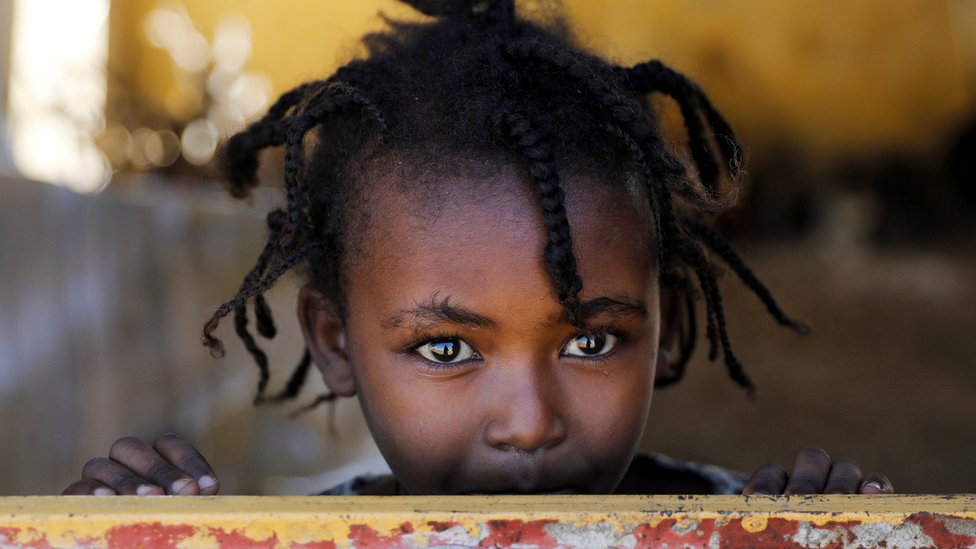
(836, 76)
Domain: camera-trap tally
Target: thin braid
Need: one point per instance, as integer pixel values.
(717, 332)
(215, 344)
(655, 76)
(732, 364)
(705, 162)
(717, 244)
(265, 321)
(700, 266)
(260, 357)
(264, 318)
(240, 158)
(559, 256)
(295, 381)
(274, 221)
(324, 397)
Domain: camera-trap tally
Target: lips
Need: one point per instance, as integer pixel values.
(526, 474)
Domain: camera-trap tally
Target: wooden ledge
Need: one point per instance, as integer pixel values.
(504, 521)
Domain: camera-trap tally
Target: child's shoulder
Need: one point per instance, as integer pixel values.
(653, 473)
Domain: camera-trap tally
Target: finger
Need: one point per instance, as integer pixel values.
(768, 479)
(844, 477)
(184, 456)
(876, 483)
(142, 460)
(87, 487)
(809, 472)
(119, 478)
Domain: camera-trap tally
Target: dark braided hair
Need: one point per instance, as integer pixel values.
(479, 84)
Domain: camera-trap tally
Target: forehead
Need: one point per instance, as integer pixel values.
(498, 213)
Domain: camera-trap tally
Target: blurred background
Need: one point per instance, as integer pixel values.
(116, 240)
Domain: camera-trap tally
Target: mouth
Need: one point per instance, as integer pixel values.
(527, 475)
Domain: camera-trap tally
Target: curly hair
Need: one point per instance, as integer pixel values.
(479, 82)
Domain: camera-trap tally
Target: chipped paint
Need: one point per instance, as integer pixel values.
(629, 522)
(755, 524)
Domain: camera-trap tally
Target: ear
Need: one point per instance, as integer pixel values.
(672, 312)
(325, 337)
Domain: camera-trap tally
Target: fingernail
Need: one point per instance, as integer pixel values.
(103, 492)
(144, 490)
(206, 482)
(178, 486)
(874, 485)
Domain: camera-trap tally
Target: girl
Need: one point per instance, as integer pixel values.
(500, 250)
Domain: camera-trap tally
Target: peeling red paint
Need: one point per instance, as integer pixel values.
(9, 536)
(236, 540)
(147, 535)
(314, 545)
(934, 526)
(362, 536)
(505, 533)
(439, 526)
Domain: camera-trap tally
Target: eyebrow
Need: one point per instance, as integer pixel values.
(614, 307)
(438, 310)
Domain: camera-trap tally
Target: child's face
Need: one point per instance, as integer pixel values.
(470, 376)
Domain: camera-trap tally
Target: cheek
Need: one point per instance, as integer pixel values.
(414, 421)
(616, 409)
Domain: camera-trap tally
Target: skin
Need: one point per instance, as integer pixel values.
(470, 376)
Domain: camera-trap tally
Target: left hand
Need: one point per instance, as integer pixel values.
(815, 473)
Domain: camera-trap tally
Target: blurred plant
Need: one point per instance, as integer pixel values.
(212, 97)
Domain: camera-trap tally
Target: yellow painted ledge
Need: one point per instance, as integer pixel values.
(505, 521)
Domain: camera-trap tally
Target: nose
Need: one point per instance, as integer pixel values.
(527, 407)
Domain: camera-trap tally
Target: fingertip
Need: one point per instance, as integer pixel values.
(88, 487)
(184, 487)
(769, 479)
(208, 485)
(871, 487)
(876, 484)
(149, 490)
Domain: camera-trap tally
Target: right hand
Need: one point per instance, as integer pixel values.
(170, 466)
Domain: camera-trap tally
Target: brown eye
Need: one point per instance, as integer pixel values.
(446, 351)
(590, 345)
